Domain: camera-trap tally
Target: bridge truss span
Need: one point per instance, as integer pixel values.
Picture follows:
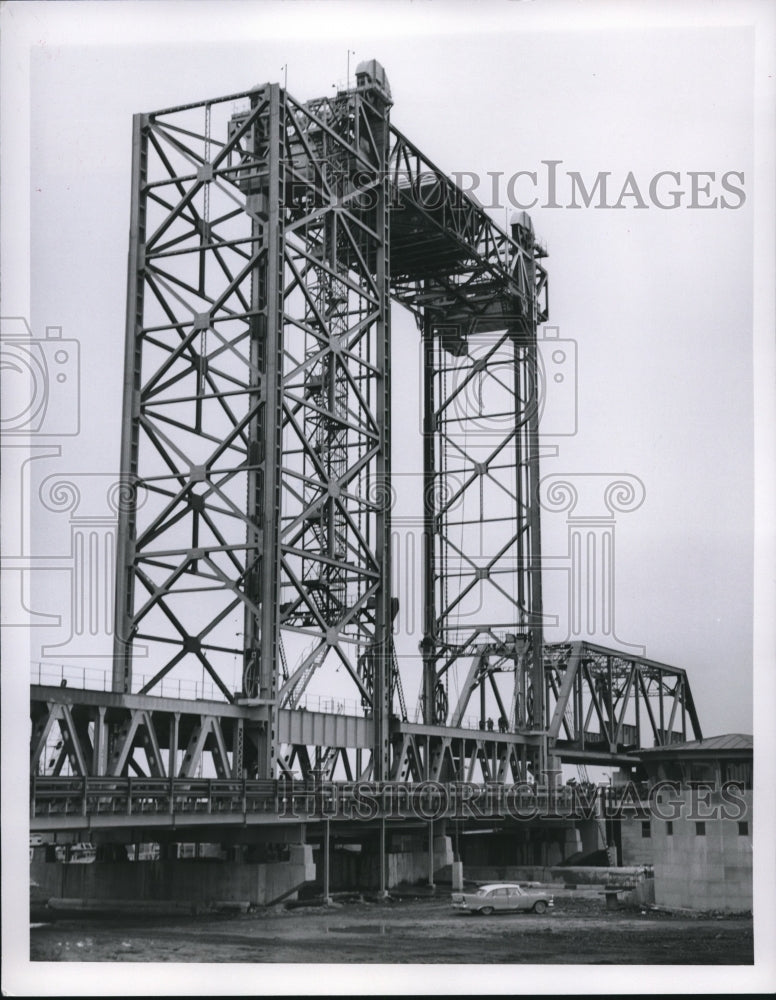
(602, 701)
(602, 707)
(268, 239)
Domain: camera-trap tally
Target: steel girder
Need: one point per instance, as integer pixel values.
(450, 260)
(600, 699)
(99, 734)
(256, 410)
(109, 810)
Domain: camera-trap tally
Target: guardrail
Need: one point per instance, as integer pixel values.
(105, 798)
(97, 679)
(142, 796)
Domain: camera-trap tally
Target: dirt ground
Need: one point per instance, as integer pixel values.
(578, 931)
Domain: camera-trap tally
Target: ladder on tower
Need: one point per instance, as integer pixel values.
(283, 660)
(292, 699)
(397, 685)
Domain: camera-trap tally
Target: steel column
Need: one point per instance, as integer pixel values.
(377, 119)
(381, 856)
(326, 849)
(125, 578)
(265, 375)
(428, 583)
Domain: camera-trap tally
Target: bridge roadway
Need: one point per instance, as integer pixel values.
(99, 737)
(152, 804)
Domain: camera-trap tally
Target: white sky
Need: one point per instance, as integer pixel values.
(660, 303)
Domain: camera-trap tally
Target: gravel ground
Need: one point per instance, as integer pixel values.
(407, 930)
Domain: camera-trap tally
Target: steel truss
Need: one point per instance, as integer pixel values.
(103, 734)
(107, 734)
(478, 295)
(602, 706)
(268, 238)
(603, 701)
(256, 407)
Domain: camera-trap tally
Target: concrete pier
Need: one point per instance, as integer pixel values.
(196, 881)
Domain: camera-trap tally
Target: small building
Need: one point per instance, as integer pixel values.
(699, 831)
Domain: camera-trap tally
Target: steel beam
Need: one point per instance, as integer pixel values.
(261, 631)
(124, 630)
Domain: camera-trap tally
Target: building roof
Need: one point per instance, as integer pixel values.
(737, 743)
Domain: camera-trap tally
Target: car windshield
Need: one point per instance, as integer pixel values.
(483, 892)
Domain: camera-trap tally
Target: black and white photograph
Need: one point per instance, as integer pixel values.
(387, 434)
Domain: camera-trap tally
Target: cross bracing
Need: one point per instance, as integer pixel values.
(268, 240)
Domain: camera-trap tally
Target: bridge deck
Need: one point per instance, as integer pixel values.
(103, 803)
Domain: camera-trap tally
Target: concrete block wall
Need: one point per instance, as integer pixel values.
(710, 871)
(642, 895)
(636, 849)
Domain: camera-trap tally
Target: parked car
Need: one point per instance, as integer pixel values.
(504, 896)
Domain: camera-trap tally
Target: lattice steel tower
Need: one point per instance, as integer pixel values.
(268, 238)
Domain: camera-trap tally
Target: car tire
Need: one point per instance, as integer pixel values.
(540, 906)
(486, 911)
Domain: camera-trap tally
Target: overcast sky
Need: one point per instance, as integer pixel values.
(657, 300)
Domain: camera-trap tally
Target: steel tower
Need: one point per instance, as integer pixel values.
(268, 238)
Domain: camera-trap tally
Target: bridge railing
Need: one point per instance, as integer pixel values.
(128, 796)
(99, 679)
(109, 799)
